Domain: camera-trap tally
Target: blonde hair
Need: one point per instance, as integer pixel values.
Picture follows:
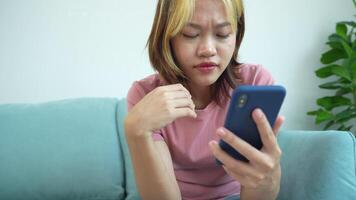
(170, 18)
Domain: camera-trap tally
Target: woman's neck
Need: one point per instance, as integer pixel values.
(201, 96)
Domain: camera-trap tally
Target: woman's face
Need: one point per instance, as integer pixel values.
(204, 47)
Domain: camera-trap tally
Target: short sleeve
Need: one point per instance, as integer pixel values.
(255, 75)
(157, 135)
(263, 76)
(134, 95)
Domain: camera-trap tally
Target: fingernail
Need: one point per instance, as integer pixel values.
(212, 143)
(283, 118)
(258, 113)
(221, 132)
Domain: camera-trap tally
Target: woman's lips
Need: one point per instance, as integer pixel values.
(206, 67)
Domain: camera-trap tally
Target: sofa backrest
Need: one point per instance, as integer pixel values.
(318, 165)
(76, 149)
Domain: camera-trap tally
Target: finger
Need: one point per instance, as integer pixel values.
(232, 164)
(176, 95)
(184, 112)
(248, 151)
(174, 91)
(181, 103)
(175, 87)
(277, 125)
(267, 136)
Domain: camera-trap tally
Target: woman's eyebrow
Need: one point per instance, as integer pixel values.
(223, 24)
(197, 26)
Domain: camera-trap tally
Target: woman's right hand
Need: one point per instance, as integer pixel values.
(158, 108)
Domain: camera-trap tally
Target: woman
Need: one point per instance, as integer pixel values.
(176, 116)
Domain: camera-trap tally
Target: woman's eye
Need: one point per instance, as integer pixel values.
(223, 36)
(190, 36)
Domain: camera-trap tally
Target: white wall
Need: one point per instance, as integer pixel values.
(53, 50)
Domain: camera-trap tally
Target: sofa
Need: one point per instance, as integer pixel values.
(76, 149)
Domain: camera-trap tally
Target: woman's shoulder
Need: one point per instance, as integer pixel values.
(255, 74)
(148, 83)
(140, 88)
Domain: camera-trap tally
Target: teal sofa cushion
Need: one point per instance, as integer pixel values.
(65, 149)
(318, 165)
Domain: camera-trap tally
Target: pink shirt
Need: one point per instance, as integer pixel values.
(197, 174)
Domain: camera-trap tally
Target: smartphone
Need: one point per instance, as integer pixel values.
(239, 119)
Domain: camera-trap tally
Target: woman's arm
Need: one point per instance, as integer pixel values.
(151, 160)
(153, 168)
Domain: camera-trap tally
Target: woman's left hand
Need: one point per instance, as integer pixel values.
(260, 177)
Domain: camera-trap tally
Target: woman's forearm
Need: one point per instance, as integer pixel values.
(153, 178)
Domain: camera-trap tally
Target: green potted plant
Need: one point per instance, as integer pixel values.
(338, 110)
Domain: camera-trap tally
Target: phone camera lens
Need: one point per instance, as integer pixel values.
(242, 100)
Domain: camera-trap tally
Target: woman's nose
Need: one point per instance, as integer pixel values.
(207, 48)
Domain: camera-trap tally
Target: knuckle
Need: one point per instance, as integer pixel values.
(188, 112)
(164, 95)
(169, 110)
(248, 151)
(260, 177)
(278, 152)
(253, 184)
(188, 95)
(181, 86)
(229, 137)
(159, 90)
(269, 166)
(228, 166)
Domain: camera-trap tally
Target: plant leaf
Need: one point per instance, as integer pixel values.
(330, 86)
(344, 116)
(341, 29)
(349, 128)
(333, 101)
(332, 56)
(326, 71)
(329, 124)
(342, 72)
(333, 70)
(341, 128)
(345, 119)
(322, 116)
(343, 91)
(349, 23)
(353, 71)
(347, 48)
(335, 45)
(337, 38)
(314, 112)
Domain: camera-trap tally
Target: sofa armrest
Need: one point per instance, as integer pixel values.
(64, 149)
(130, 184)
(317, 165)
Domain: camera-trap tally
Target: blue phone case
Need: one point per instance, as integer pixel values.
(239, 116)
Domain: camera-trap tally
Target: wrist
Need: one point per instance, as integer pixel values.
(134, 128)
(268, 189)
